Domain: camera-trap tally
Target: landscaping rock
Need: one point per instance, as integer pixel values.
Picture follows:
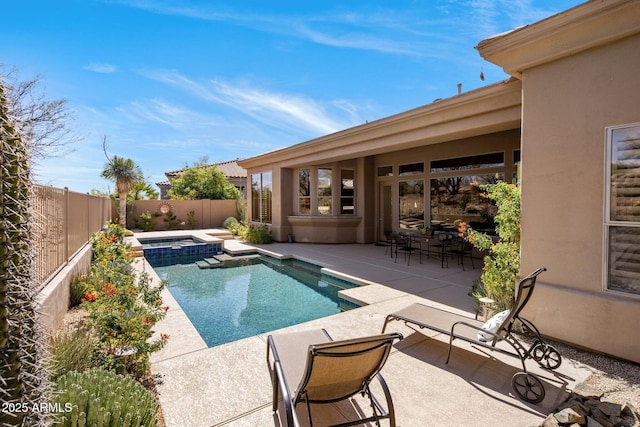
(585, 407)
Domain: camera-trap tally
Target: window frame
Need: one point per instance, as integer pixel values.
(345, 197)
(262, 198)
(610, 223)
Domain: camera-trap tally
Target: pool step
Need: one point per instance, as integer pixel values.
(208, 263)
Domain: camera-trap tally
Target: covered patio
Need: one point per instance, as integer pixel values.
(230, 384)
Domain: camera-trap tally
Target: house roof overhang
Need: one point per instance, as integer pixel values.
(490, 109)
(583, 27)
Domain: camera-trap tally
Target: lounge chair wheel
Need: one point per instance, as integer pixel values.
(528, 387)
(546, 355)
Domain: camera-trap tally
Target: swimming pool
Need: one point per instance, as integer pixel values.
(177, 247)
(257, 295)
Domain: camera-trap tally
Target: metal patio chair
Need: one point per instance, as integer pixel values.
(526, 385)
(310, 367)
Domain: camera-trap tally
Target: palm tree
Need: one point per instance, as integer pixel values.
(124, 172)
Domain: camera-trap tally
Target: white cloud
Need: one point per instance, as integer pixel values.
(279, 110)
(98, 67)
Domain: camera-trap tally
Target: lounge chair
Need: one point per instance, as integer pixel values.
(309, 366)
(489, 335)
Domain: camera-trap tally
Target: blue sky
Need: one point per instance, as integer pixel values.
(169, 82)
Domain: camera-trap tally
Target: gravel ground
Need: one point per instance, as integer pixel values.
(619, 380)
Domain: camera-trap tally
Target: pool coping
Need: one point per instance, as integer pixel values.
(229, 384)
(185, 338)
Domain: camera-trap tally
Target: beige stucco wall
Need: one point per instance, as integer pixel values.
(566, 106)
(53, 301)
(208, 213)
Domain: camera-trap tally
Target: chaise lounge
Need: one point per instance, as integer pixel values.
(310, 367)
(490, 335)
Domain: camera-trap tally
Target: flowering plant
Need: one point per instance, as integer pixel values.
(502, 263)
(122, 306)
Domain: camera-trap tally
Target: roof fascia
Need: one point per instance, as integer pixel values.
(583, 27)
(489, 109)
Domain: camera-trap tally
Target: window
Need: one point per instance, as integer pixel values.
(411, 203)
(459, 198)
(324, 191)
(411, 169)
(481, 161)
(304, 192)
(385, 171)
(261, 196)
(347, 200)
(623, 210)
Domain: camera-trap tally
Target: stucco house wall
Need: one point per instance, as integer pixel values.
(580, 73)
(573, 74)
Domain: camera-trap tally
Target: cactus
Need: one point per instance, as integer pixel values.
(23, 383)
(103, 398)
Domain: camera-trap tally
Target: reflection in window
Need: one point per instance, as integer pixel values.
(304, 192)
(411, 203)
(324, 191)
(385, 171)
(411, 169)
(460, 198)
(347, 201)
(623, 216)
(261, 196)
(491, 160)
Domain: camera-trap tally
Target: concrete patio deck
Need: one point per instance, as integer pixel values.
(230, 385)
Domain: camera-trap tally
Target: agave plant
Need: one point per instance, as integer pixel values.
(23, 383)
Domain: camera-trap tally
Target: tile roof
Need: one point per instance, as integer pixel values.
(230, 169)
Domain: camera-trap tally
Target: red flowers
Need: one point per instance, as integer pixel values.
(109, 290)
(89, 297)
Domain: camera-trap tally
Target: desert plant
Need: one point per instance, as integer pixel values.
(257, 233)
(191, 219)
(145, 222)
(173, 222)
(23, 381)
(124, 172)
(77, 289)
(502, 263)
(233, 225)
(102, 398)
(122, 306)
(71, 349)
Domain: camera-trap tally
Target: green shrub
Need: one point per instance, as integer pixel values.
(233, 225)
(77, 289)
(122, 306)
(191, 220)
(257, 233)
(101, 398)
(72, 349)
(145, 222)
(502, 264)
(173, 222)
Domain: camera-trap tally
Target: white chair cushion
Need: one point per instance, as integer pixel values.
(492, 325)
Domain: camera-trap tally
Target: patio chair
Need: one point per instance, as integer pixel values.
(462, 248)
(310, 367)
(498, 330)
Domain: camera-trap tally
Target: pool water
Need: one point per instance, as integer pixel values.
(258, 296)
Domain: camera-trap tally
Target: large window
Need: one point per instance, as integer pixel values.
(347, 192)
(480, 161)
(324, 191)
(304, 192)
(261, 196)
(623, 210)
(459, 198)
(411, 203)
